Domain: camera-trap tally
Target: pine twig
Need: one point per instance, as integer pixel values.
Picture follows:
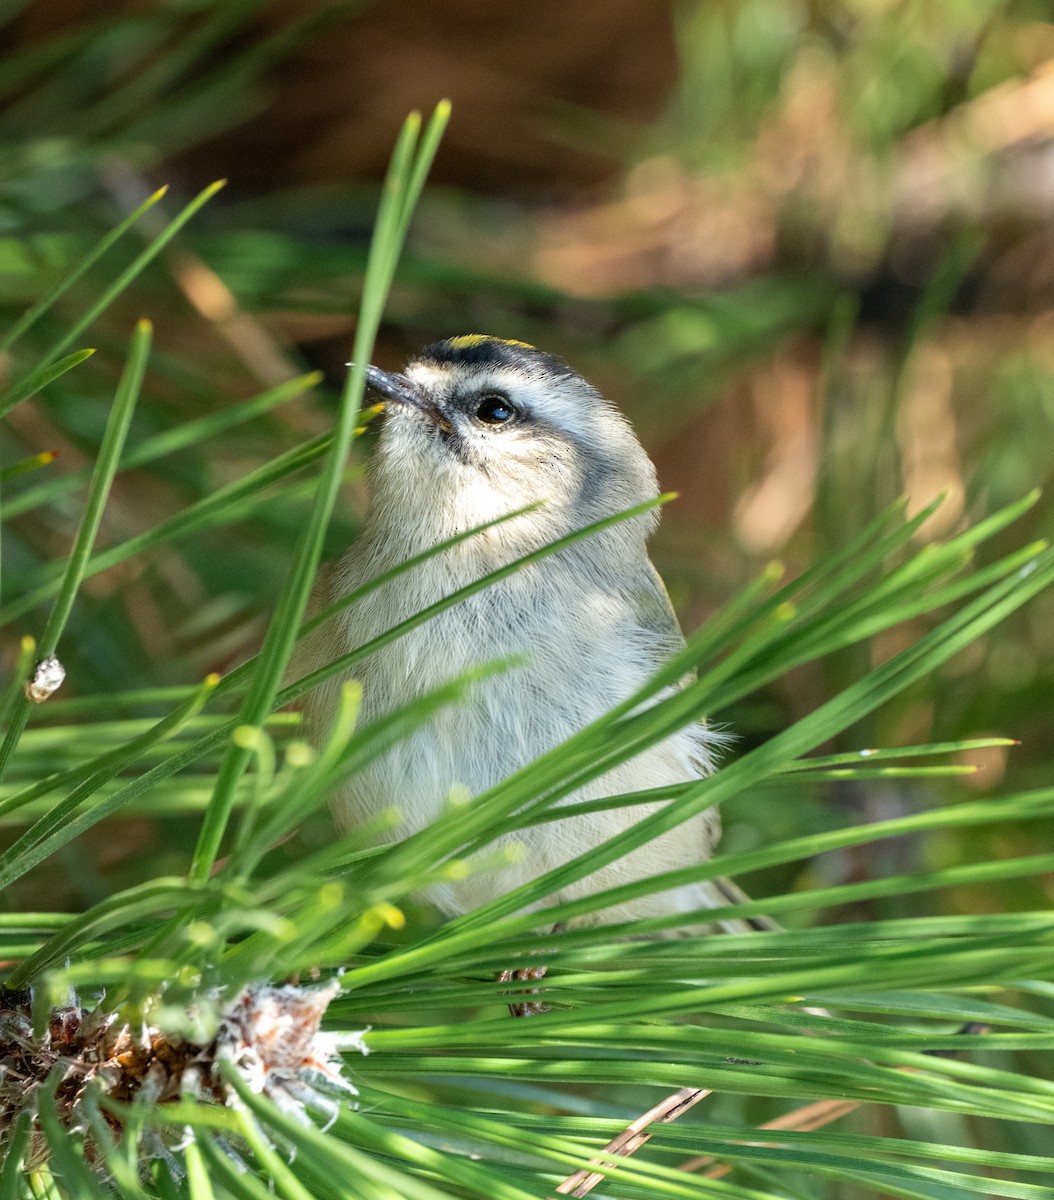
(801, 1120)
(630, 1140)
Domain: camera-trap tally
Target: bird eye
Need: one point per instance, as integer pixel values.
(494, 409)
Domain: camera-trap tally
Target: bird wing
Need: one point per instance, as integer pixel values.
(654, 612)
(653, 609)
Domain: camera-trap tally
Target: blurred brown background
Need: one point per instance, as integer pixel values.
(807, 248)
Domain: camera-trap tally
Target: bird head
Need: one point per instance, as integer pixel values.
(477, 426)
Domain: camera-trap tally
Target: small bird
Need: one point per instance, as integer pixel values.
(477, 427)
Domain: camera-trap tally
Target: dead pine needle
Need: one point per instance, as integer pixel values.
(630, 1140)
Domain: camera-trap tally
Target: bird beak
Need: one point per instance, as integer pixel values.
(401, 390)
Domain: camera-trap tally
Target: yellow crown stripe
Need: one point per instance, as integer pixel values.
(467, 340)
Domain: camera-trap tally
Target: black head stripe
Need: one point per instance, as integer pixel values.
(479, 350)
